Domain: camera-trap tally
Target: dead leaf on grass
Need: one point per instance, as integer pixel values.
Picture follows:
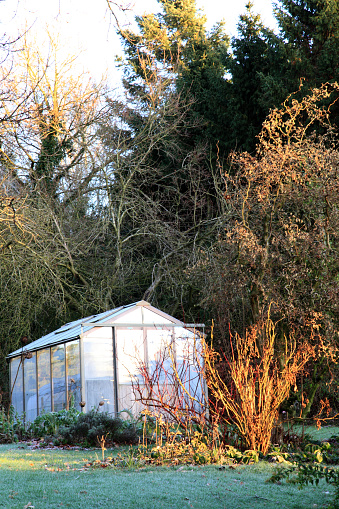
(28, 506)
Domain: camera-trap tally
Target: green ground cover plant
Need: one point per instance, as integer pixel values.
(50, 479)
(49, 423)
(11, 427)
(93, 428)
(70, 427)
(304, 475)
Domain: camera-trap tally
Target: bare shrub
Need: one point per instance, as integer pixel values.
(256, 385)
(173, 388)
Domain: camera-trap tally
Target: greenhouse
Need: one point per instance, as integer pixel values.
(96, 362)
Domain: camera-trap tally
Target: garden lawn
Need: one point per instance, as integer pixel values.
(48, 479)
(323, 433)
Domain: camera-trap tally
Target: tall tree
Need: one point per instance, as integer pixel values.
(265, 68)
(172, 123)
(311, 30)
(174, 46)
(56, 127)
(258, 55)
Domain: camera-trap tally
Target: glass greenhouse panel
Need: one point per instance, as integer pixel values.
(59, 380)
(44, 381)
(17, 385)
(130, 353)
(31, 402)
(190, 362)
(134, 316)
(98, 361)
(73, 374)
(161, 354)
(151, 317)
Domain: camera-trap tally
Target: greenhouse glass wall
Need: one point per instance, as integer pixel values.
(95, 362)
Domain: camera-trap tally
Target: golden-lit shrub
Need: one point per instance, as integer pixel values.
(257, 384)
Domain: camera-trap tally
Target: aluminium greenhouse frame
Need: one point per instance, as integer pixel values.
(41, 382)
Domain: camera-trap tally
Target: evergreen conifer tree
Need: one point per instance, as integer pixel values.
(172, 59)
(256, 64)
(311, 30)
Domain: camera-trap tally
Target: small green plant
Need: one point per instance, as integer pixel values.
(11, 426)
(49, 423)
(131, 459)
(127, 459)
(304, 474)
(89, 426)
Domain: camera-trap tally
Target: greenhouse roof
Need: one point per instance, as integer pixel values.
(72, 330)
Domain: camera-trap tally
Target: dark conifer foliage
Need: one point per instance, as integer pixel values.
(311, 30)
(256, 65)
